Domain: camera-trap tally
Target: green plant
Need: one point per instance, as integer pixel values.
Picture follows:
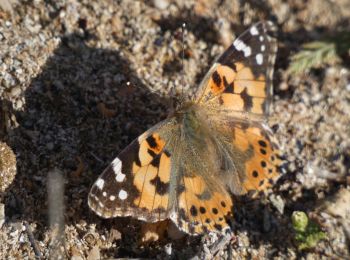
(307, 232)
(316, 54)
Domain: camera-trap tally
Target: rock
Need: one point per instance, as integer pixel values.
(7, 166)
(2, 214)
(161, 4)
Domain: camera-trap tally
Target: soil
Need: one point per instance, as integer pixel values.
(79, 80)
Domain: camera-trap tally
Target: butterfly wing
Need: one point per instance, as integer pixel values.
(237, 92)
(136, 183)
(261, 162)
(200, 208)
(240, 81)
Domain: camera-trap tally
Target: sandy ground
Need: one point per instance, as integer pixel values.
(66, 110)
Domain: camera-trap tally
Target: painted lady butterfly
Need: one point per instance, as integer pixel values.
(213, 146)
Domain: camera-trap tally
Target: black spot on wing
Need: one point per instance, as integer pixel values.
(137, 160)
(262, 143)
(229, 87)
(167, 153)
(151, 153)
(161, 187)
(247, 100)
(263, 151)
(156, 161)
(151, 141)
(218, 227)
(193, 211)
(216, 78)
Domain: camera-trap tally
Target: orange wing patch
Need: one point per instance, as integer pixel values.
(263, 167)
(149, 148)
(152, 182)
(219, 80)
(237, 89)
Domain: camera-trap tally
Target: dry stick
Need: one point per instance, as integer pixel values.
(56, 210)
(220, 245)
(32, 241)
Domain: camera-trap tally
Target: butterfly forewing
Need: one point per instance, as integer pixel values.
(136, 183)
(241, 79)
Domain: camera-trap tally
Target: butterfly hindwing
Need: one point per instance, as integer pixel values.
(263, 163)
(200, 209)
(241, 79)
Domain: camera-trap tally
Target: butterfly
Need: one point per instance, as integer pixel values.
(215, 145)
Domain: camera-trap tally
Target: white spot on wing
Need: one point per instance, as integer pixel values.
(253, 30)
(259, 58)
(117, 165)
(238, 44)
(120, 177)
(241, 46)
(117, 168)
(247, 51)
(104, 194)
(122, 194)
(111, 198)
(261, 38)
(100, 183)
(262, 47)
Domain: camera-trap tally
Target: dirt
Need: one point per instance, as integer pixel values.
(79, 80)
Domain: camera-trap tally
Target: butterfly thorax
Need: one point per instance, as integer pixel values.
(192, 119)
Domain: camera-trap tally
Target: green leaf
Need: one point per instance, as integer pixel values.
(307, 232)
(318, 53)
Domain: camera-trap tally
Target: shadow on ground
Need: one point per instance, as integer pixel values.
(79, 114)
